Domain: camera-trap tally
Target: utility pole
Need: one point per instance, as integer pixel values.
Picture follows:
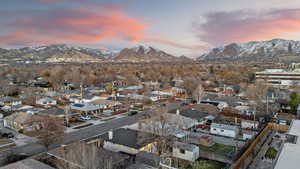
(81, 91)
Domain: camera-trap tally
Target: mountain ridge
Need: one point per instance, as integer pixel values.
(269, 50)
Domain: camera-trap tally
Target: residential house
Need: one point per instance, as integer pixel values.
(176, 91)
(129, 141)
(152, 84)
(192, 113)
(86, 108)
(46, 101)
(249, 124)
(158, 95)
(95, 90)
(177, 82)
(57, 112)
(224, 130)
(87, 98)
(20, 121)
(185, 151)
(9, 101)
(104, 104)
(220, 104)
(173, 125)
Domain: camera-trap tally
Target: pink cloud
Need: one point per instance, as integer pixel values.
(83, 26)
(77, 26)
(242, 26)
(176, 44)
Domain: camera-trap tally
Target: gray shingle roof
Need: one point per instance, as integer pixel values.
(27, 164)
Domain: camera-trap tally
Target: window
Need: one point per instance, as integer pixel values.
(291, 138)
(182, 151)
(222, 130)
(214, 129)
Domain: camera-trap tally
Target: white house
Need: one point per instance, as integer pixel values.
(224, 130)
(185, 151)
(46, 101)
(249, 124)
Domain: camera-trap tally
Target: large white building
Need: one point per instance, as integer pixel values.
(290, 154)
(280, 77)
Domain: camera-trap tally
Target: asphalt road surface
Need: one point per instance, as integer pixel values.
(82, 134)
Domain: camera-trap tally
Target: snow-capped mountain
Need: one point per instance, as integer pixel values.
(67, 53)
(55, 53)
(144, 53)
(271, 50)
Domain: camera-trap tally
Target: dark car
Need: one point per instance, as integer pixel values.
(8, 135)
(184, 104)
(132, 113)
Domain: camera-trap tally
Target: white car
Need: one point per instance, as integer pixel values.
(85, 117)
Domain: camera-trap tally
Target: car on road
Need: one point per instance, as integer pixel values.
(85, 117)
(132, 113)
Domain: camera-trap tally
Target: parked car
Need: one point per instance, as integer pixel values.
(8, 135)
(184, 104)
(85, 117)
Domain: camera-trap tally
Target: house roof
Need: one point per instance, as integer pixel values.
(8, 99)
(230, 100)
(184, 146)
(84, 107)
(104, 102)
(27, 164)
(46, 99)
(197, 110)
(224, 126)
(99, 157)
(53, 111)
(194, 114)
(130, 138)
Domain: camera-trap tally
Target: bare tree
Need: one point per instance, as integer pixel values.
(257, 93)
(198, 92)
(83, 156)
(51, 129)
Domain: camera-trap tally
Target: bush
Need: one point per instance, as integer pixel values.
(271, 153)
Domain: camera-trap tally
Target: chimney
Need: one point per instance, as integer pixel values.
(110, 135)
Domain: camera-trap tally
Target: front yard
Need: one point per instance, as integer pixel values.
(219, 149)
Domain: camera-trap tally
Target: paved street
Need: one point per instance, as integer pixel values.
(82, 134)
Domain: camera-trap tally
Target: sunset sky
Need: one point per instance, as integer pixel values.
(180, 27)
